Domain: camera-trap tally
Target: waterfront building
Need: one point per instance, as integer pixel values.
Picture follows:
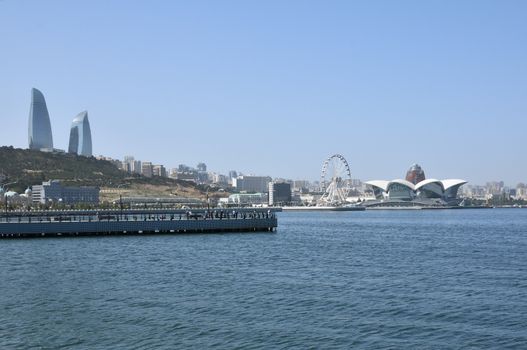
(279, 193)
(251, 183)
(402, 190)
(243, 199)
(12, 198)
(54, 191)
(309, 199)
(425, 191)
(39, 129)
(80, 136)
(521, 191)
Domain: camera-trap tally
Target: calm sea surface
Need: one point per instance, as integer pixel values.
(453, 279)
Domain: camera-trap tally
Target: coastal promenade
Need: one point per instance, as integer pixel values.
(132, 222)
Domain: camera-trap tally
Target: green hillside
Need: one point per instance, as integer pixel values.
(28, 167)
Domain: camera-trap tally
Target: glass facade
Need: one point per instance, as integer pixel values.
(39, 130)
(54, 191)
(399, 191)
(80, 136)
(431, 190)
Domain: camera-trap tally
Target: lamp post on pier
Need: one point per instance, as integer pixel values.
(120, 199)
(4, 186)
(5, 199)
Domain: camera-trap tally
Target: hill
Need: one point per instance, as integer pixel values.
(28, 167)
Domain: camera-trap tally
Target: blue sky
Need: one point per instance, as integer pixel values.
(275, 87)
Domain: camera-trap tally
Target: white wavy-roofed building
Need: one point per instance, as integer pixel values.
(428, 192)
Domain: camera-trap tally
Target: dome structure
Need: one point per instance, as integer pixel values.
(39, 128)
(415, 174)
(80, 136)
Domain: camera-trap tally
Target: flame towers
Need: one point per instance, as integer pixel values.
(39, 130)
(80, 135)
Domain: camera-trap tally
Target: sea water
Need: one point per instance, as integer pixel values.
(417, 279)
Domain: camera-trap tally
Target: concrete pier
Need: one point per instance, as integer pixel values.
(133, 222)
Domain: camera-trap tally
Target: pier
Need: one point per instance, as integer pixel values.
(132, 222)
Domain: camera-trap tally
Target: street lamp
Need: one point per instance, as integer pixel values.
(5, 199)
(120, 199)
(4, 186)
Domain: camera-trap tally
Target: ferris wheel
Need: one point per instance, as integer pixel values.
(335, 180)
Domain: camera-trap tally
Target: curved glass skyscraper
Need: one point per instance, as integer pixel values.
(80, 135)
(39, 130)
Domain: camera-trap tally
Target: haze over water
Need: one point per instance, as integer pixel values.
(385, 279)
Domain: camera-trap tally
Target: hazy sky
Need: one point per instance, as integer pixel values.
(275, 87)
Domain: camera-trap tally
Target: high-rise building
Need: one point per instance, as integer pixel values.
(201, 167)
(521, 191)
(131, 165)
(184, 168)
(251, 183)
(159, 170)
(136, 167)
(80, 136)
(218, 179)
(39, 130)
(147, 169)
(279, 193)
(128, 163)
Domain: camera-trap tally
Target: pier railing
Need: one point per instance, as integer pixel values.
(111, 222)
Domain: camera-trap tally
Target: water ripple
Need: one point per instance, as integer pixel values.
(370, 280)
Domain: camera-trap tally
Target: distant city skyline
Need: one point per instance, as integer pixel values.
(274, 88)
